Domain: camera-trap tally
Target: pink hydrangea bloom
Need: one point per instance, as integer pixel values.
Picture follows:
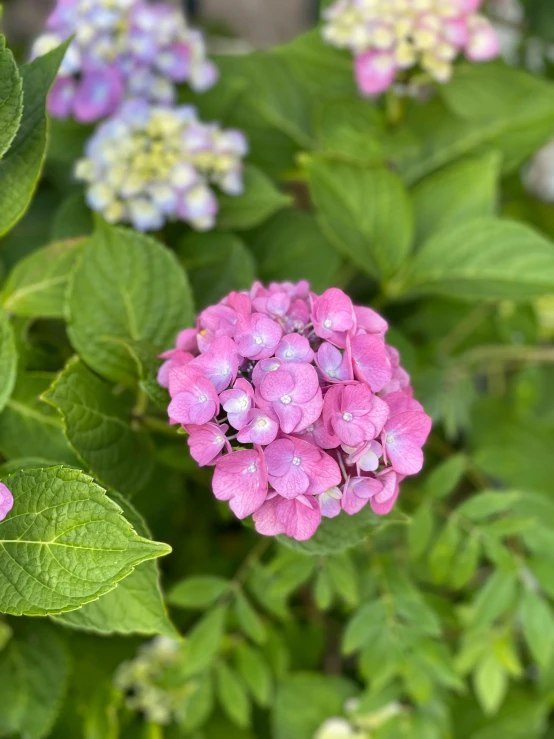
(388, 38)
(6, 501)
(300, 405)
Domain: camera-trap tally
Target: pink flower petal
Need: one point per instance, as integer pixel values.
(300, 517)
(371, 363)
(375, 71)
(6, 501)
(384, 501)
(241, 478)
(403, 436)
(206, 442)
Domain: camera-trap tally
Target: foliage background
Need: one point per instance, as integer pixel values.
(444, 609)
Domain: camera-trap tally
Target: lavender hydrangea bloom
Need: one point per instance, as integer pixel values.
(121, 49)
(149, 164)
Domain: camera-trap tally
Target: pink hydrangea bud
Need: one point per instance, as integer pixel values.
(324, 416)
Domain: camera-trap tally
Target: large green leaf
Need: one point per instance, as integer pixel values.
(29, 427)
(21, 166)
(34, 674)
(291, 246)
(365, 212)
(342, 532)
(485, 258)
(135, 606)
(260, 200)
(11, 97)
(216, 263)
(37, 285)
(8, 360)
(126, 288)
(98, 425)
(64, 543)
(488, 107)
(460, 192)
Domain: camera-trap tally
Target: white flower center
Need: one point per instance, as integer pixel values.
(258, 340)
(309, 429)
(327, 323)
(252, 468)
(347, 416)
(331, 373)
(389, 438)
(289, 354)
(202, 398)
(243, 403)
(218, 440)
(273, 367)
(296, 460)
(261, 422)
(286, 399)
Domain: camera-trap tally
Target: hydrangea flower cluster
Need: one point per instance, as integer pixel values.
(6, 501)
(148, 164)
(389, 36)
(299, 403)
(121, 49)
(144, 680)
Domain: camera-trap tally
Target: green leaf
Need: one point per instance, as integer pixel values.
(420, 530)
(199, 704)
(342, 532)
(446, 476)
(291, 246)
(248, 620)
(460, 192)
(484, 259)
(495, 599)
(363, 626)
(98, 425)
(72, 219)
(537, 620)
(491, 684)
(21, 166)
(305, 700)
(487, 504)
(232, 695)
(29, 425)
(466, 562)
(349, 129)
(323, 590)
(11, 97)
(365, 213)
(204, 641)
(136, 605)
(344, 578)
(64, 544)
(198, 592)
(126, 288)
(444, 551)
(499, 109)
(255, 672)
(34, 673)
(8, 358)
(217, 263)
(37, 285)
(260, 200)
(321, 68)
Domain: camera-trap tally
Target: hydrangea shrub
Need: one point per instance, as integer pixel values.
(280, 467)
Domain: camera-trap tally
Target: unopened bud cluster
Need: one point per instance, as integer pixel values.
(148, 164)
(388, 37)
